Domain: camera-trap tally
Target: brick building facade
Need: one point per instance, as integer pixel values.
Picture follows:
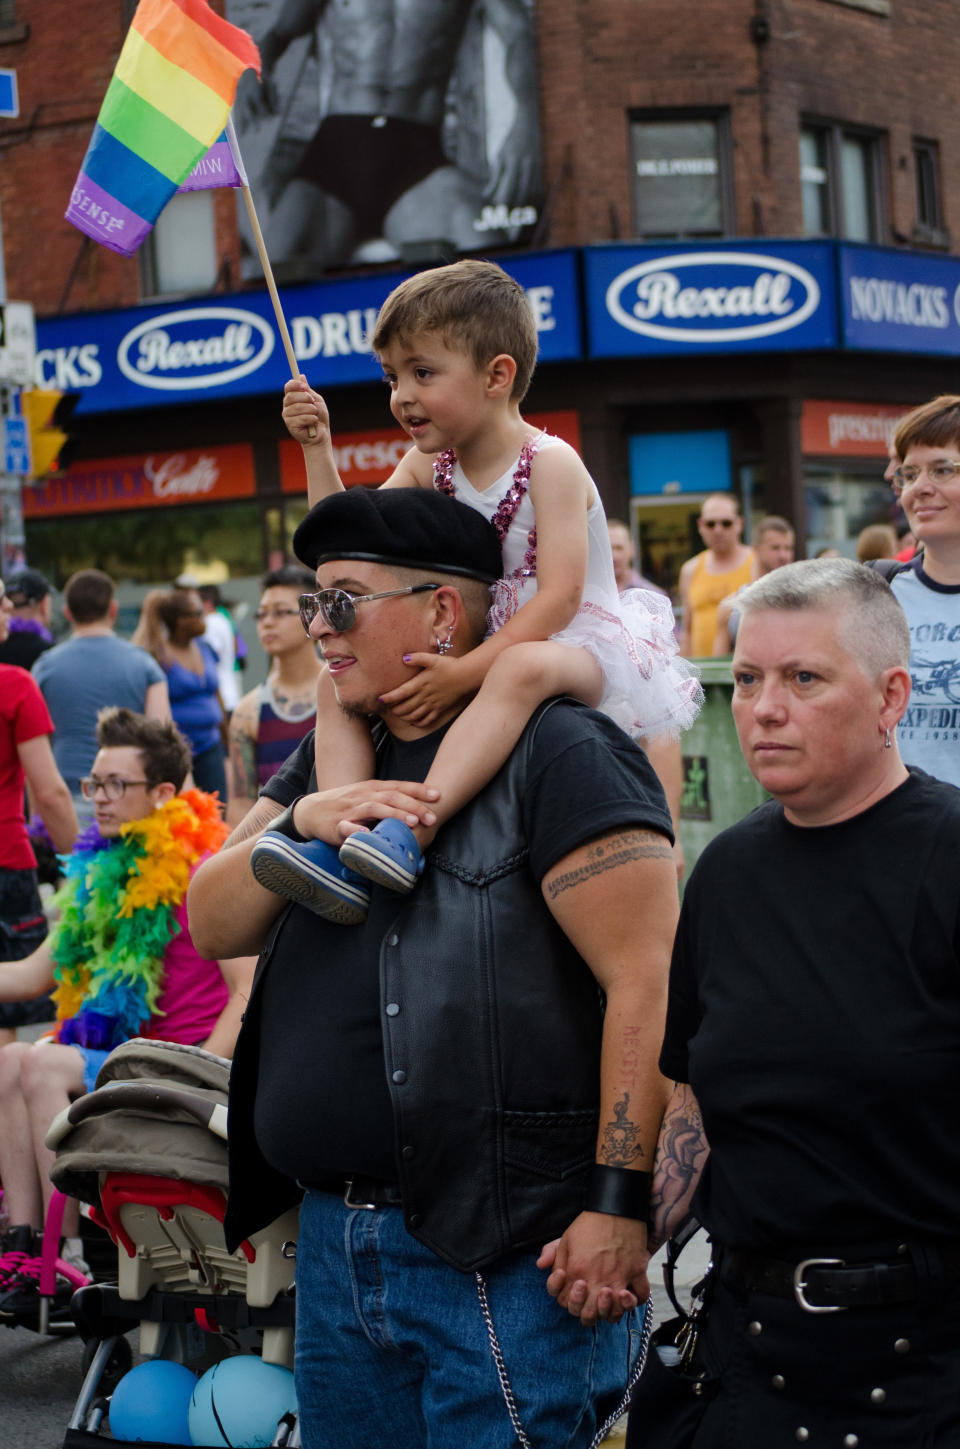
(774, 119)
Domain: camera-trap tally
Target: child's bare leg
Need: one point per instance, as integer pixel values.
(482, 738)
(343, 748)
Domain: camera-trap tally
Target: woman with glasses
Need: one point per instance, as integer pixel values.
(25, 756)
(926, 483)
(171, 628)
(724, 565)
(271, 720)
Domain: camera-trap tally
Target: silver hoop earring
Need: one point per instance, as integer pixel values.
(444, 645)
(888, 742)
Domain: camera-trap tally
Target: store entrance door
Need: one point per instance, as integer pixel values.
(664, 528)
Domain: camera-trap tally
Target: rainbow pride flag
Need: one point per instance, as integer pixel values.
(166, 106)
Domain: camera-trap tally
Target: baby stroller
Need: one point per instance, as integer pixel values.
(147, 1149)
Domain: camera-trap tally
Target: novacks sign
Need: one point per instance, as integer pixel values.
(229, 347)
(735, 296)
(900, 301)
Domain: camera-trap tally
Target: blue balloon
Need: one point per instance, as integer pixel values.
(151, 1402)
(239, 1402)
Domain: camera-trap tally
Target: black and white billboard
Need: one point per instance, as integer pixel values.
(389, 129)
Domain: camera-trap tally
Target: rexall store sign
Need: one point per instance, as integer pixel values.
(229, 346)
(731, 296)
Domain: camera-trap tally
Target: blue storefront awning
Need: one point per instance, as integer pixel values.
(620, 300)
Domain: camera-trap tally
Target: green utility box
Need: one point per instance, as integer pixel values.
(718, 789)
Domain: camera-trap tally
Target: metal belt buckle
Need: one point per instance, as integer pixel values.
(348, 1200)
(799, 1284)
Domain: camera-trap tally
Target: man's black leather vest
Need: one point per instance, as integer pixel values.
(492, 1026)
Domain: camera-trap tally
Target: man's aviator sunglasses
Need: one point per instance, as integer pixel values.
(338, 608)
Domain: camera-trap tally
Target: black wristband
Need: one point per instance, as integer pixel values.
(284, 825)
(620, 1191)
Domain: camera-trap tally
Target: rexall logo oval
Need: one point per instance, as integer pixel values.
(196, 347)
(742, 295)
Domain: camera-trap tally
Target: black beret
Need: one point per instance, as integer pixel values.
(408, 527)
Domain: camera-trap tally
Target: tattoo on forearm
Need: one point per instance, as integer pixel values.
(243, 762)
(253, 822)
(619, 1144)
(633, 1053)
(608, 854)
(681, 1153)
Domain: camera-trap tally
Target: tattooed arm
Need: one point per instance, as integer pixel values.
(682, 1152)
(229, 912)
(616, 900)
(242, 759)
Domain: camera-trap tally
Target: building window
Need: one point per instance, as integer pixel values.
(681, 175)
(181, 255)
(926, 169)
(840, 182)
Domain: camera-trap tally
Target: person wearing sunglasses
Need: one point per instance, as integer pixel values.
(926, 484)
(724, 565)
(271, 719)
(431, 1076)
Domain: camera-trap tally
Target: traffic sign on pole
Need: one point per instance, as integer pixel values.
(16, 446)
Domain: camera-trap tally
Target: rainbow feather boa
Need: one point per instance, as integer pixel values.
(117, 918)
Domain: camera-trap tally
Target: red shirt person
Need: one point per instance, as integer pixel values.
(25, 757)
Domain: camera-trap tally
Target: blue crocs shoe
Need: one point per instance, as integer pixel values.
(310, 873)
(388, 855)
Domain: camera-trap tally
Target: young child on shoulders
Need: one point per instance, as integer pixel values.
(458, 346)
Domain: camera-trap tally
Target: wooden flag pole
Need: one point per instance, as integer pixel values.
(262, 254)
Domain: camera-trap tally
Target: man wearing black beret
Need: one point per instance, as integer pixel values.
(466, 1079)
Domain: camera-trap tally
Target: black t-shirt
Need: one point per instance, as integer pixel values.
(815, 1010)
(23, 647)
(323, 1109)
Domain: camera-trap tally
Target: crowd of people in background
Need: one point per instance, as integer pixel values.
(843, 700)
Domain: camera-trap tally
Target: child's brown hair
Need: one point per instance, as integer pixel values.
(474, 306)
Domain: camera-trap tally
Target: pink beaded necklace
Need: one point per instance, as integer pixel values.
(506, 509)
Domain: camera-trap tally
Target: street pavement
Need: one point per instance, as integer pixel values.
(40, 1377)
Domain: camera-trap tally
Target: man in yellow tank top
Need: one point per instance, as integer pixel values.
(706, 579)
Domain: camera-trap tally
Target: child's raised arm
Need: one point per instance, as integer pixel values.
(308, 422)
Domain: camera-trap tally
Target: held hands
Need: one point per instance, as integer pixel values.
(598, 1269)
(440, 684)
(332, 815)
(305, 412)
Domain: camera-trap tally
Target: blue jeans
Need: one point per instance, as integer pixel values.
(392, 1348)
